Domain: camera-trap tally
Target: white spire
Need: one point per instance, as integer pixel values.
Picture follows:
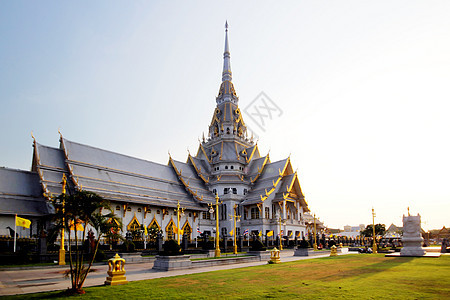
(226, 74)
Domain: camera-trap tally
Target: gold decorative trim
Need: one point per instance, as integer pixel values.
(221, 151)
(171, 223)
(255, 147)
(186, 185)
(134, 219)
(199, 172)
(152, 222)
(124, 207)
(204, 153)
(260, 170)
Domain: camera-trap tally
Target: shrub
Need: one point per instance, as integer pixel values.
(171, 248)
(257, 245)
(100, 256)
(304, 244)
(209, 245)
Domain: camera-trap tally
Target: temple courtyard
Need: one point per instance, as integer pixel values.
(351, 276)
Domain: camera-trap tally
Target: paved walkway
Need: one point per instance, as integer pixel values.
(45, 279)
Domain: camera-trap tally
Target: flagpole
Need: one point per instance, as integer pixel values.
(15, 234)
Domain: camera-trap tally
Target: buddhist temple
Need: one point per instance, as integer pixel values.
(265, 193)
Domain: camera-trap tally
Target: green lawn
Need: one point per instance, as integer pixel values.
(344, 277)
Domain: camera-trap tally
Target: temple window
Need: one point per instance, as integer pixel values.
(231, 167)
(224, 231)
(158, 212)
(267, 213)
(245, 191)
(187, 230)
(206, 215)
(225, 191)
(254, 213)
(214, 191)
(128, 208)
(117, 207)
(234, 190)
(169, 231)
(139, 209)
(226, 167)
(134, 225)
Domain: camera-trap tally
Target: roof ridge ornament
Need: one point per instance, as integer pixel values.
(226, 74)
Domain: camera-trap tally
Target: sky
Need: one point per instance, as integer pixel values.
(361, 87)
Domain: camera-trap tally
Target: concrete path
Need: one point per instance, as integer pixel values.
(34, 280)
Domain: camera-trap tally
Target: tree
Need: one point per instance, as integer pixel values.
(86, 209)
(380, 230)
(152, 232)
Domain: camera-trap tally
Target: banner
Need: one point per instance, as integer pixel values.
(23, 222)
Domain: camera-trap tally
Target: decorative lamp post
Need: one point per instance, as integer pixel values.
(178, 220)
(234, 216)
(62, 250)
(281, 237)
(211, 210)
(374, 237)
(315, 234)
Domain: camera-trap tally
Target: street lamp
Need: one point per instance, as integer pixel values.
(62, 250)
(281, 237)
(234, 216)
(179, 209)
(211, 210)
(374, 238)
(315, 234)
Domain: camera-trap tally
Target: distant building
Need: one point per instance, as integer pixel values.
(440, 234)
(352, 231)
(227, 163)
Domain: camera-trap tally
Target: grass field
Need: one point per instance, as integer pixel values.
(343, 277)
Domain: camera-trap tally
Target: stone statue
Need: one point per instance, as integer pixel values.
(412, 239)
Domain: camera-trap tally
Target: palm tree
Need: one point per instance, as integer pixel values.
(88, 209)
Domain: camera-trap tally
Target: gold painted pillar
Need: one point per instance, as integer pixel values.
(217, 252)
(62, 250)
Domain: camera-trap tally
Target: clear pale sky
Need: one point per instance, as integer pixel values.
(363, 86)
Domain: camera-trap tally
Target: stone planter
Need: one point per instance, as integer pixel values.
(209, 253)
(135, 258)
(263, 255)
(301, 252)
(167, 263)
